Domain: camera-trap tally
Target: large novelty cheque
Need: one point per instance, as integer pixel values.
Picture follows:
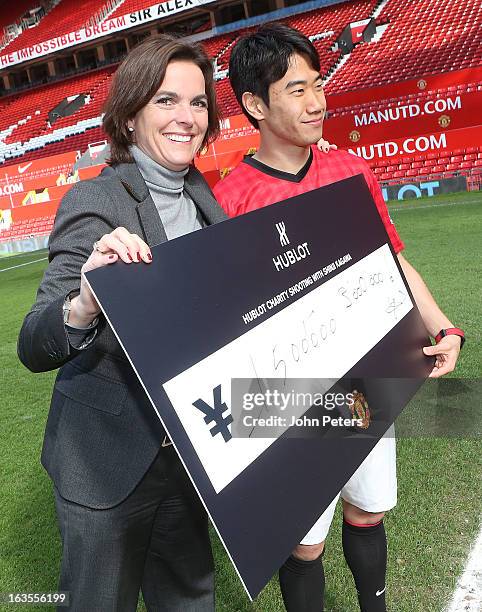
(305, 292)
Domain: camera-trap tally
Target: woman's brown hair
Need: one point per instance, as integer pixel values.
(138, 78)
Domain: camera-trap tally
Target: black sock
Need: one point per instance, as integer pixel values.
(302, 584)
(365, 551)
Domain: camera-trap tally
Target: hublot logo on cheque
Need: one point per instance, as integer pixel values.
(291, 256)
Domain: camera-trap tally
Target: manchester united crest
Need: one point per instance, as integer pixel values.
(444, 121)
(422, 84)
(359, 409)
(354, 136)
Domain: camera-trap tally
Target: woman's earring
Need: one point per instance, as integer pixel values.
(130, 128)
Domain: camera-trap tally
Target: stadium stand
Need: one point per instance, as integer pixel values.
(10, 15)
(330, 21)
(25, 124)
(415, 42)
(39, 226)
(76, 142)
(408, 41)
(323, 26)
(442, 165)
(65, 16)
(229, 104)
(368, 64)
(219, 49)
(12, 12)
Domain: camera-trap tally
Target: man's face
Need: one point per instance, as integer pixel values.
(296, 105)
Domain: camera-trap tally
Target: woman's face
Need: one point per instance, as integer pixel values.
(171, 127)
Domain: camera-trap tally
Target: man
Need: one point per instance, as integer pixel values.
(275, 74)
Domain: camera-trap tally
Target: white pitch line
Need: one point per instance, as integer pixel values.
(397, 208)
(23, 254)
(468, 592)
(24, 264)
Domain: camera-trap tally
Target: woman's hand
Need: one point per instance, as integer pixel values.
(325, 146)
(119, 244)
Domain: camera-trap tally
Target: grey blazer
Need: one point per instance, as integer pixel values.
(102, 433)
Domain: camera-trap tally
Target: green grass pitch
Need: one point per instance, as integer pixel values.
(440, 492)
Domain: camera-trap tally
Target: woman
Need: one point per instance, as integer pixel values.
(128, 514)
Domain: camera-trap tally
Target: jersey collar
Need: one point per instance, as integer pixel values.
(280, 174)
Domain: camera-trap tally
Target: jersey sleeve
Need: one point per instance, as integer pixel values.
(381, 206)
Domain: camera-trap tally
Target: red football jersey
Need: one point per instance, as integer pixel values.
(252, 184)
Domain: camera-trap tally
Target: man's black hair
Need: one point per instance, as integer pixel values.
(263, 57)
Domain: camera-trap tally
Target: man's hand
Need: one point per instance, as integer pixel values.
(448, 349)
(325, 146)
(446, 353)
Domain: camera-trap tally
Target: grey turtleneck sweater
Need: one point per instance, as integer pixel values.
(178, 212)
